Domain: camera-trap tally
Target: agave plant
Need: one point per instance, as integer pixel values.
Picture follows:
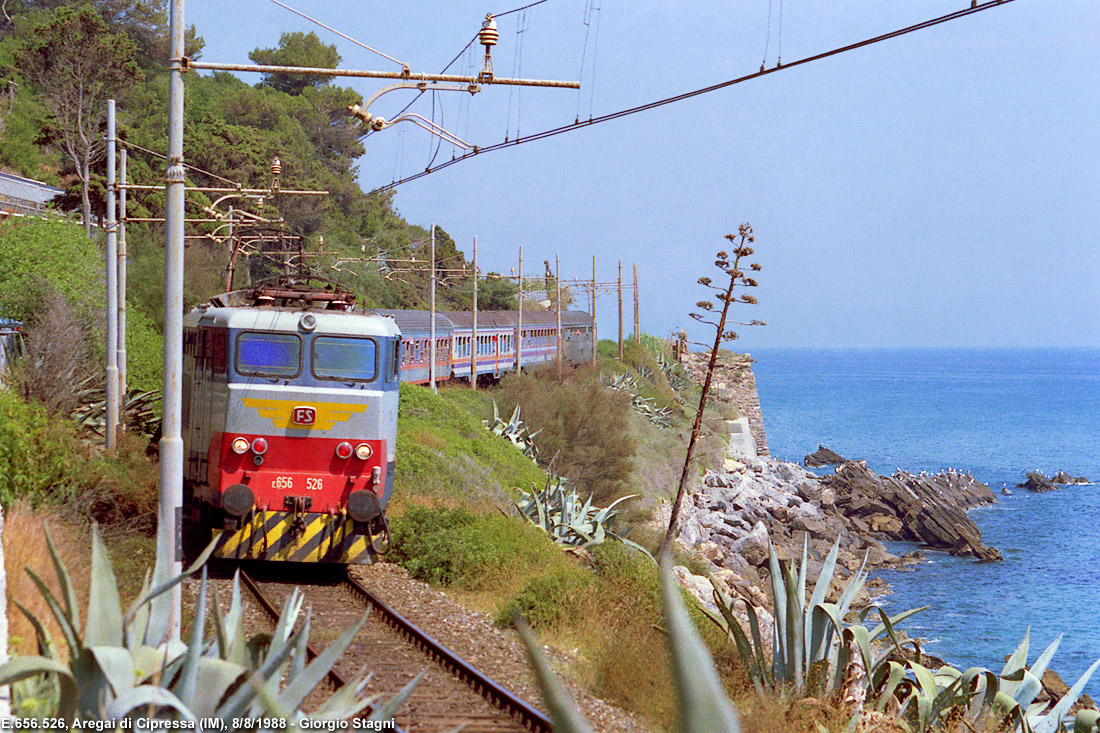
(123, 664)
(514, 430)
(929, 699)
(559, 512)
(701, 700)
(804, 658)
(644, 406)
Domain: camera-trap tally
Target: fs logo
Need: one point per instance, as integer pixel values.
(303, 416)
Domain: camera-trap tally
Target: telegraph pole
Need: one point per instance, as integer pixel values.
(431, 328)
(557, 297)
(620, 310)
(112, 286)
(592, 310)
(519, 327)
(637, 327)
(473, 350)
(122, 277)
(170, 517)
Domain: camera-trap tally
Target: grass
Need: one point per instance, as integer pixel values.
(445, 453)
(25, 547)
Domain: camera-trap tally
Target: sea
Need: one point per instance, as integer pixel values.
(995, 413)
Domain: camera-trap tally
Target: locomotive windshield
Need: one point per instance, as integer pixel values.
(269, 354)
(345, 359)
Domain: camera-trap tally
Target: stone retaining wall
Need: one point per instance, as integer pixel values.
(734, 382)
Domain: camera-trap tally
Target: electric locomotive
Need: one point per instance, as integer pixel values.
(289, 424)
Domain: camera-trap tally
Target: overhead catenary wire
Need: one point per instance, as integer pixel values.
(342, 35)
(154, 153)
(696, 92)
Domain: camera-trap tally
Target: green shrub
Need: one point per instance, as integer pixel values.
(584, 427)
(551, 598)
(38, 255)
(39, 454)
(455, 547)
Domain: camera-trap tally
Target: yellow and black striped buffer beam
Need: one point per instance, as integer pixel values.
(309, 537)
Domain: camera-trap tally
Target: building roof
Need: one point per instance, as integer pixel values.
(19, 190)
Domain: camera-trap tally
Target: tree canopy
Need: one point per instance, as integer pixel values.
(297, 49)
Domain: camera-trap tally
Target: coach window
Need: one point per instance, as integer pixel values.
(269, 354)
(345, 359)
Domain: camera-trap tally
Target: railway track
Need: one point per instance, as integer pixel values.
(452, 693)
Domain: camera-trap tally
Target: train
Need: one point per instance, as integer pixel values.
(290, 402)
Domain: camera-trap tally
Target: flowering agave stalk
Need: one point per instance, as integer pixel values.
(124, 665)
(722, 302)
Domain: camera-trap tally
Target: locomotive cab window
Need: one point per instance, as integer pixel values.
(269, 354)
(345, 358)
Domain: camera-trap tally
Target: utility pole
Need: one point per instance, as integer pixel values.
(431, 328)
(519, 327)
(557, 285)
(592, 309)
(637, 328)
(122, 277)
(170, 516)
(620, 310)
(473, 350)
(112, 287)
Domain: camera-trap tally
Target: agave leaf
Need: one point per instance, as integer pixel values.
(704, 707)
(104, 624)
(729, 623)
(895, 672)
(159, 607)
(1049, 722)
(816, 632)
(387, 710)
(147, 696)
(877, 631)
(779, 606)
(42, 634)
(1015, 665)
(20, 668)
(924, 679)
(1027, 689)
(794, 671)
(299, 687)
(240, 700)
(562, 712)
(292, 607)
(347, 702)
(219, 627)
(190, 672)
(1086, 721)
(72, 636)
(213, 678)
(1043, 661)
(136, 620)
(72, 610)
(117, 666)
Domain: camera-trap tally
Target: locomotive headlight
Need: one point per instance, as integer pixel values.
(240, 446)
(344, 450)
(259, 446)
(363, 451)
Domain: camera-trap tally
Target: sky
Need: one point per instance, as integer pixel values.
(937, 189)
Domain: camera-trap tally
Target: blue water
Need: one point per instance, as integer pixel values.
(995, 413)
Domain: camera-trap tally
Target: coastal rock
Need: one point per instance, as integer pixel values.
(1065, 479)
(823, 457)
(930, 508)
(1037, 482)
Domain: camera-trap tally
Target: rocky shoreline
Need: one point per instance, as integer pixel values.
(736, 509)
